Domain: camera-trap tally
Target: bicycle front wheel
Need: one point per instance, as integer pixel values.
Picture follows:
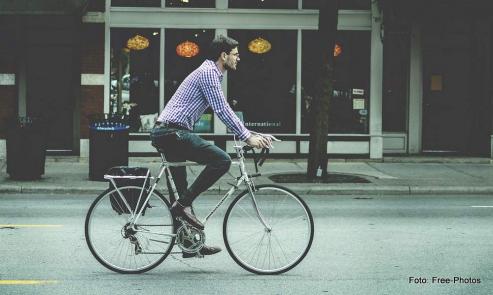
(124, 246)
(281, 243)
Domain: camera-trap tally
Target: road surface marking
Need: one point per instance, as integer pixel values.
(26, 282)
(29, 225)
(482, 206)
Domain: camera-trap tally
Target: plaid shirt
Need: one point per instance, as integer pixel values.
(201, 89)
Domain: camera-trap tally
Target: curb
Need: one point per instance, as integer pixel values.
(300, 189)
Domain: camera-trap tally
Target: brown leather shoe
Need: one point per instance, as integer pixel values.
(206, 250)
(178, 210)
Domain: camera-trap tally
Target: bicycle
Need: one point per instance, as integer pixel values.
(267, 229)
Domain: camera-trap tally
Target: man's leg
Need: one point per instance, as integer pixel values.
(167, 141)
(217, 164)
(180, 179)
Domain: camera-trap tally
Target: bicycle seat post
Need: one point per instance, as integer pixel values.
(169, 176)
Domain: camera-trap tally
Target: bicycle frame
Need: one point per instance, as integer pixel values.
(165, 165)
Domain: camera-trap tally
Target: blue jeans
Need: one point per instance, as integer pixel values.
(180, 145)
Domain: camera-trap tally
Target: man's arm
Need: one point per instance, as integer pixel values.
(211, 87)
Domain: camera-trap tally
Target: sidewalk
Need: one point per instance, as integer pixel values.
(393, 175)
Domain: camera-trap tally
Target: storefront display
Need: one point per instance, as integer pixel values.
(134, 85)
(349, 106)
(263, 83)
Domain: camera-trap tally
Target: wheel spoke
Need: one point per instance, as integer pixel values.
(287, 221)
(269, 251)
(253, 219)
(109, 234)
(280, 247)
(244, 238)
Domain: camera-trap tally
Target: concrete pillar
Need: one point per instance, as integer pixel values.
(22, 102)
(376, 79)
(107, 55)
(298, 82)
(222, 4)
(491, 147)
(415, 124)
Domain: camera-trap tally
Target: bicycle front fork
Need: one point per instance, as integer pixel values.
(252, 189)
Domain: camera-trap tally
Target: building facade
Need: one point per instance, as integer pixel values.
(396, 92)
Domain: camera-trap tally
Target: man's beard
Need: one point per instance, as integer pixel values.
(228, 67)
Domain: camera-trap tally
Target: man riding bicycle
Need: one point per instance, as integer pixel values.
(173, 130)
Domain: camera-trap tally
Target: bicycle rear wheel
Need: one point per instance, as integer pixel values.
(124, 248)
(268, 251)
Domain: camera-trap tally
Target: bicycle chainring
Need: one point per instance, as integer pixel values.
(190, 239)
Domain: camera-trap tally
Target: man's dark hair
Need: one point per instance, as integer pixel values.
(221, 44)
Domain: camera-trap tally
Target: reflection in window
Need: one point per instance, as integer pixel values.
(343, 4)
(395, 80)
(136, 3)
(263, 86)
(349, 107)
(134, 87)
(264, 4)
(191, 3)
(185, 51)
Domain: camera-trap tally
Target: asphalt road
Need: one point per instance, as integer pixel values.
(362, 245)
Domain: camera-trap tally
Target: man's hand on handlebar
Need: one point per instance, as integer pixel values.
(258, 141)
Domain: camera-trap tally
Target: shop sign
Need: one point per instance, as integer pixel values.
(358, 104)
(358, 91)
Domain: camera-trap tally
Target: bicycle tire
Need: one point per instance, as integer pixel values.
(230, 229)
(104, 260)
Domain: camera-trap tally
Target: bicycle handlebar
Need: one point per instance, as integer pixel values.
(258, 159)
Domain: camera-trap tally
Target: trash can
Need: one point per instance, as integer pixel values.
(108, 146)
(26, 148)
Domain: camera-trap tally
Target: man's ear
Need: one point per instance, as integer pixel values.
(223, 55)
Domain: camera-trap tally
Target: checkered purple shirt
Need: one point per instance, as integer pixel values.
(201, 89)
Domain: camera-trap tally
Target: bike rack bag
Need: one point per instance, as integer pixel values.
(129, 176)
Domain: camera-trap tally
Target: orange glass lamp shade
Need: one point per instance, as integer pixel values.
(137, 42)
(259, 46)
(187, 49)
(337, 50)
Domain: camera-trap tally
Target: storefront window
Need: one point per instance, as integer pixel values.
(349, 107)
(136, 3)
(263, 86)
(185, 51)
(343, 4)
(134, 87)
(395, 81)
(264, 4)
(191, 3)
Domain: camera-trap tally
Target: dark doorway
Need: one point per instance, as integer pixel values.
(447, 101)
(50, 69)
